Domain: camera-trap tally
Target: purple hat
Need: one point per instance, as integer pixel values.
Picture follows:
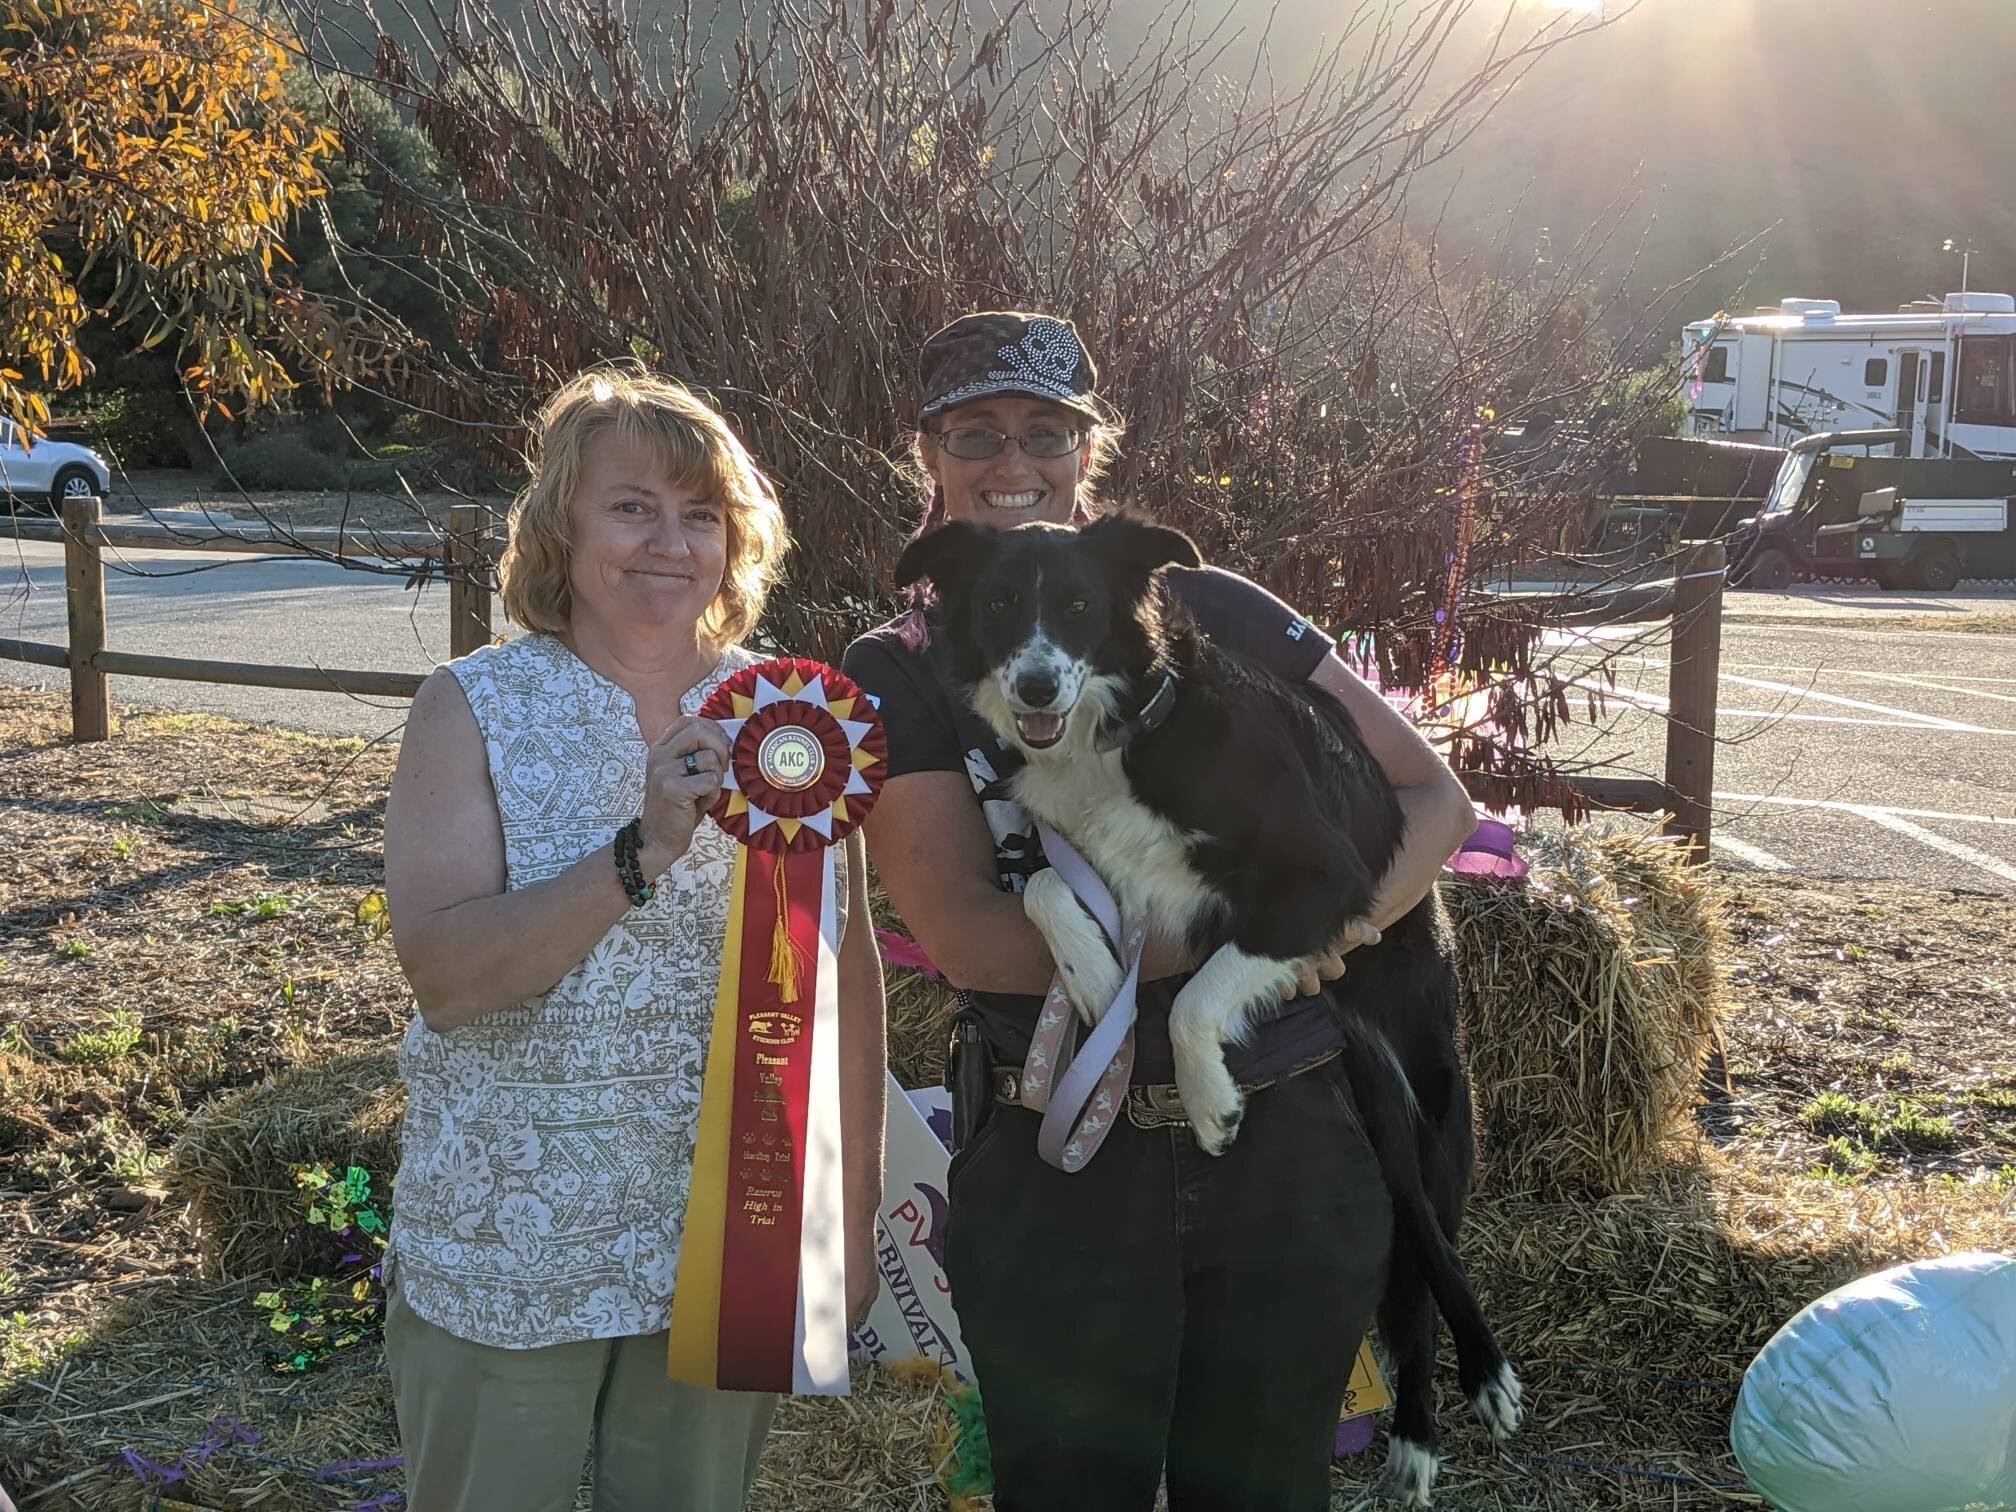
(1005, 352)
(1489, 853)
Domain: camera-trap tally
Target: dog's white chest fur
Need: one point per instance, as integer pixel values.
(1140, 855)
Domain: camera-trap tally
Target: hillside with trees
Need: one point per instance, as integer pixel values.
(1852, 138)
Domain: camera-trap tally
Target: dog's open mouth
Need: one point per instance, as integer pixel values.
(1040, 729)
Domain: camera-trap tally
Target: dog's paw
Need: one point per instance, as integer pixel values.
(1216, 1132)
(1211, 1101)
(1085, 961)
(1410, 1472)
(1497, 1403)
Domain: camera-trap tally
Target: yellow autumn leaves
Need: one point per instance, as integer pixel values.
(157, 137)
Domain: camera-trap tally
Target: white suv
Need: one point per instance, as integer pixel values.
(52, 472)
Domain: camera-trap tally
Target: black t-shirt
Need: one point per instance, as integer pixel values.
(931, 728)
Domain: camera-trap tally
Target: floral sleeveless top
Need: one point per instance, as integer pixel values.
(548, 1147)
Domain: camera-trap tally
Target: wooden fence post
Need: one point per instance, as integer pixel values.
(1692, 691)
(468, 559)
(84, 592)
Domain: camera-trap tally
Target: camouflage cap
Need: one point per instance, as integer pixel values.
(1005, 352)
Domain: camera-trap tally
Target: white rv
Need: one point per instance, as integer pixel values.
(1943, 372)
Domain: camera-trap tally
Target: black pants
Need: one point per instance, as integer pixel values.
(1163, 1306)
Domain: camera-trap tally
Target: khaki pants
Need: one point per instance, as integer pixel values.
(506, 1430)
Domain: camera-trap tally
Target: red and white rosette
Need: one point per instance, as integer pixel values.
(760, 1301)
(806, 758)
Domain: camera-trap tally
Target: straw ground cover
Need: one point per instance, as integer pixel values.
(168, 940)
(177, 918)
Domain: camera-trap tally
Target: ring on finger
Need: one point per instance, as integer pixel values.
(691, 761)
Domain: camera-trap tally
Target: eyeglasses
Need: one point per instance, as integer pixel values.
(976, 443)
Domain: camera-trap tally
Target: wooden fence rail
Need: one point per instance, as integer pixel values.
(1693, 603)
(468, 548)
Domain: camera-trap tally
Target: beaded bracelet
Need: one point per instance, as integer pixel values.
(628, 871)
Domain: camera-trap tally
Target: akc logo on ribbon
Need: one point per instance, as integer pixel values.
(760, 1301)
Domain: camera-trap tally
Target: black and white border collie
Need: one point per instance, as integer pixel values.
(1248, 819)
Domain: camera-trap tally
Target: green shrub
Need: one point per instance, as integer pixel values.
(280, 459)
(290, 458)
(140, 427)
(383, 477)
(327, 433)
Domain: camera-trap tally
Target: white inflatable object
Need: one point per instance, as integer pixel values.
(1895, 1393)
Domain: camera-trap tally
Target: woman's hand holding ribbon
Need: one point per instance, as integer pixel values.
(682, 776)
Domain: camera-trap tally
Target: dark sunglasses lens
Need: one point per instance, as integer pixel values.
(1046, 442)
(972, 442)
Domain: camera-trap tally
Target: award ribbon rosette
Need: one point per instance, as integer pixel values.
(760, 1302)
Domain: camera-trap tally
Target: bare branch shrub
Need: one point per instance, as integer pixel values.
(778, 208)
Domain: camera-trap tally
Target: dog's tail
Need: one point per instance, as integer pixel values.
(1392, 1120)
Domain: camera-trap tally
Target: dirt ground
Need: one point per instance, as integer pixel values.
(1872, 1028)
(178, 916)
(191, 907)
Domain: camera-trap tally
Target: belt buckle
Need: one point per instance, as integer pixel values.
(1156, 1106)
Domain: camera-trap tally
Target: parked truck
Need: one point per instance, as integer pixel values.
(1679, 488)
(1927, 522)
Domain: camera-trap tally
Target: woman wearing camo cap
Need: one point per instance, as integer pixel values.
(1160, 1308)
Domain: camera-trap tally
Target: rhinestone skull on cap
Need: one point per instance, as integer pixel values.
(1045, 360)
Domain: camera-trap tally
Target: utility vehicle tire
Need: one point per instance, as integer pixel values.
(1938, 570)
(1771, 571)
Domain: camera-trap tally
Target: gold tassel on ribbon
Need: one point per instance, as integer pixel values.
(783, 955)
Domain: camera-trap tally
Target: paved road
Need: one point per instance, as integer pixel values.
(1851, 751)
(287, 611)
(1844, 751)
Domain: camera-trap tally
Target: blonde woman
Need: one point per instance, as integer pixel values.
(565, 1000)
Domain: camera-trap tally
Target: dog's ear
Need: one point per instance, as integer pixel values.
(1136, 546)
(949, 556)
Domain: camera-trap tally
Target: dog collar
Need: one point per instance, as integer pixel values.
(1149, 718)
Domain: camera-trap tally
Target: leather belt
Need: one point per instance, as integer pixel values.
(1151, 1105)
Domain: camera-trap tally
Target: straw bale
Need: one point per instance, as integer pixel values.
(920, 1008)
(920, 1018)
(235, 1162)
(1592, 999)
